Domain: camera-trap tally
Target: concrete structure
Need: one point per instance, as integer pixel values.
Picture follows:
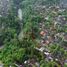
(4, 6)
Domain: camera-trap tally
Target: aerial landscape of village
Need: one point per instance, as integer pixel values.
(33, 33)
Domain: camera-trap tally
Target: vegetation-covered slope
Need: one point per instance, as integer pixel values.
(39, 39)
